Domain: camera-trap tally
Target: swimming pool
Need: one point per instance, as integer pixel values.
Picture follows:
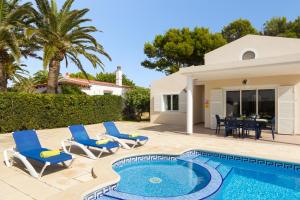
(189, 175)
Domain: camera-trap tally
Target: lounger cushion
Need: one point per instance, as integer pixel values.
(112, 130)
(35, 155)
(80, 135)
(92, 143)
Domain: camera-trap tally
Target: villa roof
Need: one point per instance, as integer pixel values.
(86, 83)
(272, 66)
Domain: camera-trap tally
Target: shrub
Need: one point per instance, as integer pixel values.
(137, 101)
(41, 111)
(71, 89)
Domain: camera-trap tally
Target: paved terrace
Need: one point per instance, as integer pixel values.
(73, 183)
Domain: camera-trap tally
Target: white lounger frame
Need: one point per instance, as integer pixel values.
(123, 144)
(86, 150)
(14, 153)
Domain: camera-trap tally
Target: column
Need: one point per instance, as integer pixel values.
(189, 110)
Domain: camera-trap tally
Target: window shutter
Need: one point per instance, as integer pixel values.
(216, 106)
(286, 110)
(158, 103)
(182, 102)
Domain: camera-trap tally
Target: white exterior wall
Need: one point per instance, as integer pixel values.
(263, 46)
(173, 84)
(266, 48)
(99, 90)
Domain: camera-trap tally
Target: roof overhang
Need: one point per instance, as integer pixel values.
(284, 65)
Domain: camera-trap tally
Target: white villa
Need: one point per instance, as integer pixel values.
(254, 75)
(91, 87)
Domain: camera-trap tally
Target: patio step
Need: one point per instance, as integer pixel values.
(224, 170)
(212, 163)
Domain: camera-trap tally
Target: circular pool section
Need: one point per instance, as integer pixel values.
(161, 178)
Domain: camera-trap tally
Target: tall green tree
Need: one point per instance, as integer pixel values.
(63, 35)
(180, 48)
(238, 29)
(13, 17)
(278, 26)
(111, 78)
(137, 101)
(294, 27)
(82, 76)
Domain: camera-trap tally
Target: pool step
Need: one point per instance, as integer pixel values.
(122, 196)
(203, 159)
(187, 157)
(224, 170)
(107, 198)
(212, 163)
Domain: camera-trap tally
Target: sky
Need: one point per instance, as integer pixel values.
(127, 24)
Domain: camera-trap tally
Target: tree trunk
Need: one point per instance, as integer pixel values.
(3, 80)
(54, 68)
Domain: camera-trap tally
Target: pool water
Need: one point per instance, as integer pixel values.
(241, 178)
(163, 178)
(256, 182)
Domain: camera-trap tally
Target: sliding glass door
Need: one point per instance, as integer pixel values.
(249, 103)
(266, 104)
(233, 104)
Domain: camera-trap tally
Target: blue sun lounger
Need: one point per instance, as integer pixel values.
(28, 147)
(113, 131)
(81, 139)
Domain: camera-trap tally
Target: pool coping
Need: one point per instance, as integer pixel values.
(198, 152)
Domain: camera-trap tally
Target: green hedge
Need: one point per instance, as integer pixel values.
(41, 111)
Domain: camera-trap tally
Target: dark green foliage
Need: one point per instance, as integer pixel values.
(179, 48)
(280, 26)
(39, 111)
(137, 101)
(82, 76)
(71, 89)
(238, 29)
(111, 78)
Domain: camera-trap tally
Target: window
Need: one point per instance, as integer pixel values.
(248, 55)
(259, 102)
(171, 102)
(107, 92)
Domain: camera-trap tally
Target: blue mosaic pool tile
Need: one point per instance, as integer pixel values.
(99, 193)
(143, 158)
(205, 156)
(269, 163)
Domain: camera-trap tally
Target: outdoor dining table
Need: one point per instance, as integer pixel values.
(261, 123)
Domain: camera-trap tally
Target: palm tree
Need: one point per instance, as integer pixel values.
(40, 77)
(14, 71)
(63, 37)
(12, 18)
